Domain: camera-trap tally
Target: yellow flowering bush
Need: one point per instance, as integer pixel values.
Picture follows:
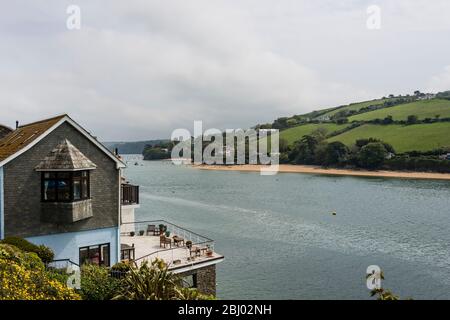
(23, 277)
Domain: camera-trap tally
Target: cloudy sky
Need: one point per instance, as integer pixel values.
(139, 69)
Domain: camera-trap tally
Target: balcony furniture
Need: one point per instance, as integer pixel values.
(151, 229)
(178, 240)
(163, 241)
(130, 194)
(127, 252)
(197, 251)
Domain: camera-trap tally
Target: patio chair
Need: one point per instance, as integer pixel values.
(178, 240)
(151, 229)
(196, 251)
(163, 241)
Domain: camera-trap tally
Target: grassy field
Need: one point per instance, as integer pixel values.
(422, 109)
(357, 106)
(420, 137)
(296, 133)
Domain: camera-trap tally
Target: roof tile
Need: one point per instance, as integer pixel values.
(18, 139)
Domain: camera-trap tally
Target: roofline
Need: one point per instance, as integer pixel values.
(7, 127)
(65, 118)
(43, 120)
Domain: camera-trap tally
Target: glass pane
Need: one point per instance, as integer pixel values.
(63, 190)
(63, 175)
(94, 255)
(85, 189)
(49, 190)
(85, 173)
(105, 255)
(84, 256)
(77, 190)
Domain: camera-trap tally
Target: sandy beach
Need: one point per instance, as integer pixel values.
(337, 172)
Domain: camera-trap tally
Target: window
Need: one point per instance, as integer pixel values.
(97, 254)
(190, 281)
(65, 186)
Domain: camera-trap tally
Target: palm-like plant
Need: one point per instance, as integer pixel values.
(155, 282)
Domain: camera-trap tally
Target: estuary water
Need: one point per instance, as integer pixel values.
(280, 240)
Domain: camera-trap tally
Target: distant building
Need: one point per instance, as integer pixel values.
(427, 96)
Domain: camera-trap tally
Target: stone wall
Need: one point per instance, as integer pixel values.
(22, 190)
(206, 279)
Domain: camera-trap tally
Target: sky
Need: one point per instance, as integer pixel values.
(139, 69)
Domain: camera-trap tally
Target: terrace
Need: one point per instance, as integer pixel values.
(181, 249)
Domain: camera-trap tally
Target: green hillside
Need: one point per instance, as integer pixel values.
(420, 137)
(296, 133)
(422, 109)
(357, 106)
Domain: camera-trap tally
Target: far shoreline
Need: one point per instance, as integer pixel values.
(290, 168)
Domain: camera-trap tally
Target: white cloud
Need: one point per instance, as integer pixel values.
(139, 69)
(440, 82)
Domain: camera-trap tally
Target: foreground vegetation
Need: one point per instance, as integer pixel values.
(24, 276)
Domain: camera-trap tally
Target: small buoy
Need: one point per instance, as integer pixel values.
(333, 213)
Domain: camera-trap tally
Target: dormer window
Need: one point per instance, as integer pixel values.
(65, 186)
(65, 183)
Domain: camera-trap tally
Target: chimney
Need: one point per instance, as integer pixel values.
(116, 151)
(17, 124)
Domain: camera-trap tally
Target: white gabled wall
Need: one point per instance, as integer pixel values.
(67, 245)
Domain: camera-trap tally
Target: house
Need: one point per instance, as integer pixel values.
(60, 187)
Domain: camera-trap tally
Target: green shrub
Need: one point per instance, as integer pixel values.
(121, 266)
(44, 253)
(23, 277)
(155, 282)
(97, 284)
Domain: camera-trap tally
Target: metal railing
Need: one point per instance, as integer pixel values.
(196, 240)
(130, 194)
(62, 264)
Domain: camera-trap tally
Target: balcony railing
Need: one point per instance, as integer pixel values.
(148, 244)
(130, 194)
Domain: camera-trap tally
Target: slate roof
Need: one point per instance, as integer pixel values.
(24, 135)
(4, 130)
(65, 157)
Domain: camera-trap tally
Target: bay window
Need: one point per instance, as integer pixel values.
(65, 186)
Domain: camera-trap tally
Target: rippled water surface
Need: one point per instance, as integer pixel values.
(281, 241)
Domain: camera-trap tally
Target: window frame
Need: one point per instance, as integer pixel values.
(100, 246)
(84, 180)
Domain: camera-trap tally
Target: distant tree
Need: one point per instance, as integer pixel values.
(388, 120)
(341, 120)
(363, 142)
(283, 145)
(417, 93)
(320, 134)
(412, 119)
(304, 150)
(372, 155)
(391, 96)
(291, 122)
(437, 116)
(333, 153)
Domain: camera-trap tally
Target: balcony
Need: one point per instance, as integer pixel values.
(181, 250)
(130, 194)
